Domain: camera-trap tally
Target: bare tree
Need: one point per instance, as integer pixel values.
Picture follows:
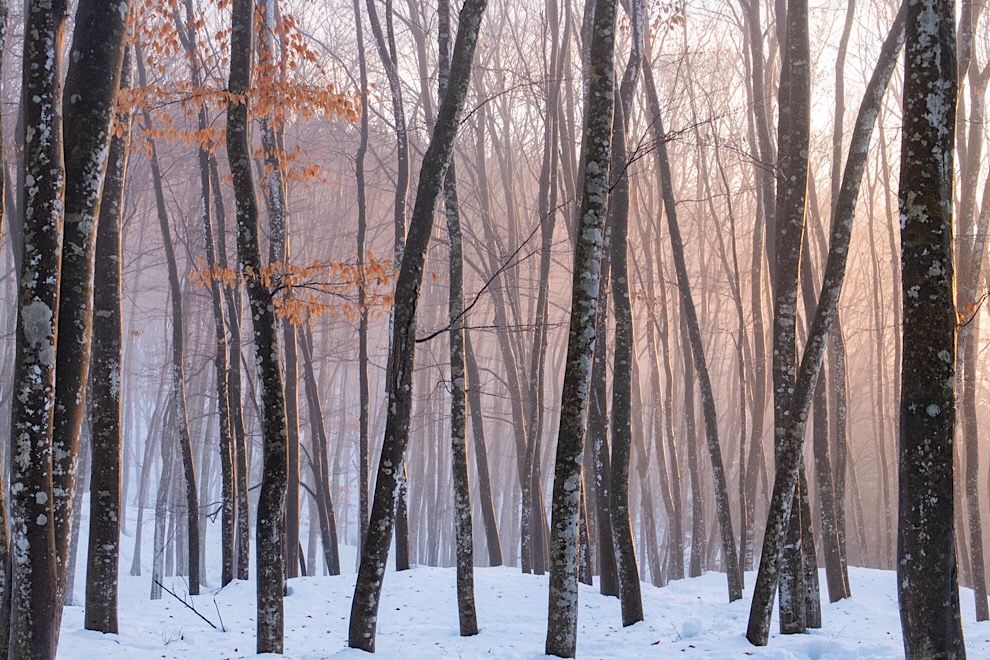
(271, 503)
(926, 563)
(596, 149)
(367, 591)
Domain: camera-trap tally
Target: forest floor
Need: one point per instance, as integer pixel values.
(418, 618)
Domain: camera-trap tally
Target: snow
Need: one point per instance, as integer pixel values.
(418, 618)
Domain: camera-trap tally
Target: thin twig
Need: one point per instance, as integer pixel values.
(188, 606)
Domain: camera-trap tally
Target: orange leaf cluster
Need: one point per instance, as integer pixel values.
(302, 291)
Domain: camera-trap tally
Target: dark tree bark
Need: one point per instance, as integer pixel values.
(625, 549)
(34, 603)
(271, 503)
(463, 538)
(596, 149)
(5, 567)
(791, 442)
(91, 86)
(367, 591)
(105, 412)
(927, 589)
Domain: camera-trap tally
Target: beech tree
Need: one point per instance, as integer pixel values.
(103, 555)
(581, 339)
(927, 590)
(367, 591)
(271, 503)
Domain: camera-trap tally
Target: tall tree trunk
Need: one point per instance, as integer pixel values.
(730, 559)
(177, 368)
(271, 503)
(33, 631)
(464, 540)
(367, 591)
(927, 589)
(791, 439)
(596, 148)
(364, 396)
(103, 557)
(91, 86)
(624, 354)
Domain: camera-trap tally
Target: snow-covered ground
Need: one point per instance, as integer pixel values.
(418, 619)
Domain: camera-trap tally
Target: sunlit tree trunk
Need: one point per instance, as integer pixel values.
(91, 85)
(596, 148)
(103, 556)
(927, 589)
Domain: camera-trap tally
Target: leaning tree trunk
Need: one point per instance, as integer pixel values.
(563, 607)
(105, 496)
(271, 502)
(624, 354)
(927, 589)
(33, 627)
(463, 539)
(791, 445)
(367, 591)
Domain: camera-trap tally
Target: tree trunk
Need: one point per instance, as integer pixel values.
(596, 148)
(367, 591)
(105, 412)
(271, 503)
(90, 99)
(624, 354)
(927, 590)
(33, 626)
(464, 540)
(792, 435)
